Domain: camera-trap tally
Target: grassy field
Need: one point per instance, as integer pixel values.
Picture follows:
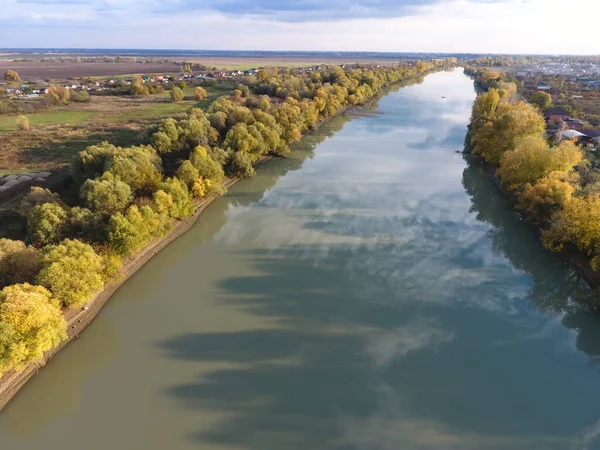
(56, 117)
(58, 133)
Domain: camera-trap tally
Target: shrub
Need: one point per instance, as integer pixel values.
(23, 123)
(80, 96)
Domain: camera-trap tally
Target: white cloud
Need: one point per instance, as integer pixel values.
(510, 26)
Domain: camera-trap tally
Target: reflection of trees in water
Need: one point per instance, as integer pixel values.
(556, 287)
(243, 193)
(252, 190)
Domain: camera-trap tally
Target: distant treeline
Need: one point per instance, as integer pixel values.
(555, 185)
(128, 197)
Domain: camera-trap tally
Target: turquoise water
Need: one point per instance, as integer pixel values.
(372, 291)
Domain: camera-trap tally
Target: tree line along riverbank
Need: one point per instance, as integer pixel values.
(122, 201)
(555, 185)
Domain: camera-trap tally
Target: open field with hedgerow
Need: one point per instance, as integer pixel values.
(59, 132)
(41, 70)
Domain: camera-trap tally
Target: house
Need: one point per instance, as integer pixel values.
(569, 135)
(557, 114)
(591, 136)
(572, 124)
(543, 87)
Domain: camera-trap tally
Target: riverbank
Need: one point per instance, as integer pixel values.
(78, 319)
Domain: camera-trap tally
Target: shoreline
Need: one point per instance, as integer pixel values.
(79, 319)
(576, 260)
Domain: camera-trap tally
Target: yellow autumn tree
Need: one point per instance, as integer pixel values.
(577, 223)
(72, 271)
(511, 123)
(31, 323)
(544, 198)
(533, 159)
(199, 93)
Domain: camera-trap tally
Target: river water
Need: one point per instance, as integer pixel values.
(372, 291)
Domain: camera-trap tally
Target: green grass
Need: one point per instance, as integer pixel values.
(57, 117)
(152, 110)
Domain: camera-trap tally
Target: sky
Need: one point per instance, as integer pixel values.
(454, 26)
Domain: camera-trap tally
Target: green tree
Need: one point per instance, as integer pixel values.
(46, 224)
(140, 168)
(72, 271)
(162, 142)
(541, 99)
(31, 323)
(129, 233)
(182, 201)
(176, 94)
(187, 173)
(37, 196)
(18, 263)
(242, 165)
(106, 195)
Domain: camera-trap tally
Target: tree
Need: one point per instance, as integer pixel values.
(58, 95)
(504, 131)
(46, 224)
(92, 162)
(31, 323)
(18, 263)
(131, 232)
(208, 168)
(199, 93)
(532, 160)
(543, 100)
(37, 196)
(138, 87)
(578, 223)
(541, 200)
(162, 142)
(23, 123)
(176, 94)
(12, 77)
(182, 202)
(187, 173)
(106, 195)
(72, 271)
(139, 167)
(242, 165)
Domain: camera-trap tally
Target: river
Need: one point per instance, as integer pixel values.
(372, 291)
